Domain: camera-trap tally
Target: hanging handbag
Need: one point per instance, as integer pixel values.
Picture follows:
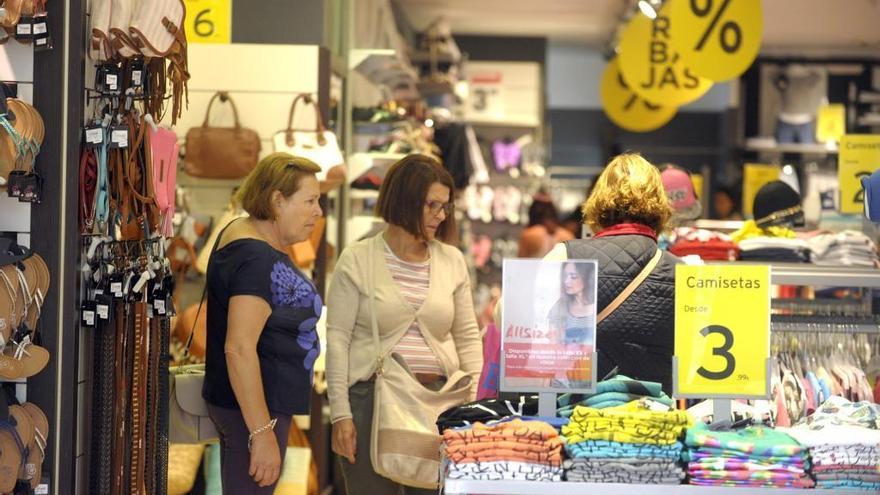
(221, 152)
(188, 420)
(404, 441)
(318, 145)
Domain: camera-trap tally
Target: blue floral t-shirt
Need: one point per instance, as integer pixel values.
(287, 347)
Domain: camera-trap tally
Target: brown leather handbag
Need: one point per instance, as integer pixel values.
(221, 152)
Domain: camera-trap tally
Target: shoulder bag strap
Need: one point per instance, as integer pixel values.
(224, 97)
(629, 289)
(192, 331)
(380, 356)
(319, 122)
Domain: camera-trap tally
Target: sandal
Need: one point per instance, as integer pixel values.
(36, 450)
(13, 449)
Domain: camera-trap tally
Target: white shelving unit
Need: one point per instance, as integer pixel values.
(466, 487)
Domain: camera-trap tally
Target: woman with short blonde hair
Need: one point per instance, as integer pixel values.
(627, 209)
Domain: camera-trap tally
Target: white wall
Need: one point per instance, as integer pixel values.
(574, 73)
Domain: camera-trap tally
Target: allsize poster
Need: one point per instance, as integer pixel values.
(548, 327)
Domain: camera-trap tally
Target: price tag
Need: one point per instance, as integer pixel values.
(626, 108)
(209, 21)
(103, 311)
(720, 349)
(88, 313)
(94, 135)
(859, 157)
(831, 123)
(159, 304)
(486, 96)
(116, 289)
(119, 137)
(112, 81)
(40, 27)
(653, 68)
(717, 39)
(24, 28)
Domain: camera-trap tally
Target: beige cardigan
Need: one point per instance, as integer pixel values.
(446, 318)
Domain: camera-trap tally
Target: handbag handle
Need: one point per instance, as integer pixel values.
(192, 331)
(225, 98)
(319, 122)
(380, 357)
(629, 289)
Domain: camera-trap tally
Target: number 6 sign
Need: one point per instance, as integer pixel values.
(209, 21)
(722, 331)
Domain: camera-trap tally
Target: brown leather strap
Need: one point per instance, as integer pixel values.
(120, 421)
(138, 398)
(224, 96)
(629, 289)
(319, 122)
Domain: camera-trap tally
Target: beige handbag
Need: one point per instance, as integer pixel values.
(100, 48)
(404, 441)
(156, 25)
(121, 12)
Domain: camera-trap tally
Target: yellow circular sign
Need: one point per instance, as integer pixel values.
(652, 67)
(626, 108)
(717, 39)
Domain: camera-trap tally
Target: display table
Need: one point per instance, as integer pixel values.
(463, 487)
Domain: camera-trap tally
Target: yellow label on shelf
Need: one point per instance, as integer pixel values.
(722, 330)
(653, 68)
(626, 108)
(859, 157)
(717, 39)
(756, 175)
(209, 21)
(697, 181)
(831, 123)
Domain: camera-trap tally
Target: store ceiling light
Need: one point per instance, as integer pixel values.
(649, 8)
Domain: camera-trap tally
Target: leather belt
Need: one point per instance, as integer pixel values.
(138, 397)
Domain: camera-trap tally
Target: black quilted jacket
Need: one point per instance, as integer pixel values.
(638, 336)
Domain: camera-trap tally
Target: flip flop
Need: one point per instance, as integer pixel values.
(40, 288)
(24, 125)
(9, 284)
(13, 13)
(37, 450)
(12, 446)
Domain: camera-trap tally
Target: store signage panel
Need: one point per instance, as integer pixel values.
(722, 330)
(548, 326)
(755, 175)
(831, 123)
(209, 21)
(859, 157)
(653, 68)
(505, 93)
(717, 39)
(626, 108)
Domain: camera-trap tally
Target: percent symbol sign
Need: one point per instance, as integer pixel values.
(726, 28)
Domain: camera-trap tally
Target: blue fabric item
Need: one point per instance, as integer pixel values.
(871, 185)
(213, 483)
(826, 390)
(796, 133)
(611, 450)
(849, 484)
(818, 394)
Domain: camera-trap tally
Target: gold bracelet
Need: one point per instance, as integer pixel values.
(266, 427)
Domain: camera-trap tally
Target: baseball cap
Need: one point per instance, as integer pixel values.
(681, 194)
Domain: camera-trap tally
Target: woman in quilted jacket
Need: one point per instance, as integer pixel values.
(627, 209)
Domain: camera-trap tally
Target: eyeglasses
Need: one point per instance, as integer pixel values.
(435, 207)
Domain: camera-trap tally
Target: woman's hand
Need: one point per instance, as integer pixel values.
(265, 459)
(344, 440)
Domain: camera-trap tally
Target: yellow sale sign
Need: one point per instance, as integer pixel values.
(626, 108)
(722, 330)
(859, 157)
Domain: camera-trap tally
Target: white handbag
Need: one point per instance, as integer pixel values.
(318, 145)
(404, 440)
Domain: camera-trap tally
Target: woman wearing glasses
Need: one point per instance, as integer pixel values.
(423, 305)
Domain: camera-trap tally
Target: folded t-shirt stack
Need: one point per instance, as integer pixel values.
(486, 410)
(774, 249)
(617, 391)
(512, 450)
(753, 456)
(624, 444)
(849, 248)
(844, 443)
(706, 244)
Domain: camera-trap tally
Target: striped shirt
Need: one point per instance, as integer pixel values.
(413, 280)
